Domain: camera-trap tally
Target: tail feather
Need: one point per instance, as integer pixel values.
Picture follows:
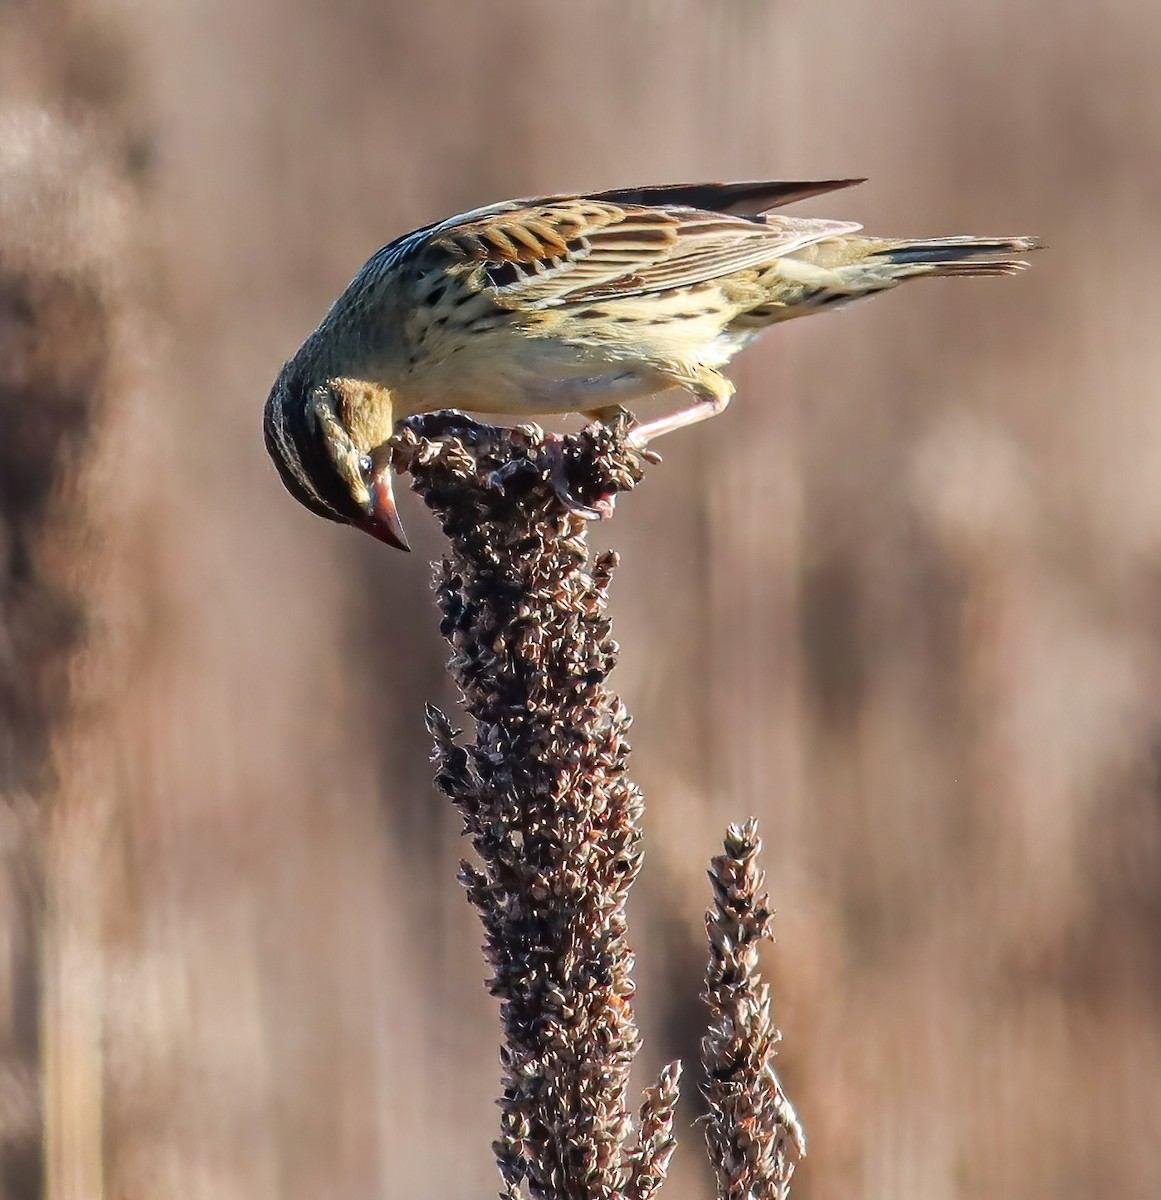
(837, 270)
(958, 255)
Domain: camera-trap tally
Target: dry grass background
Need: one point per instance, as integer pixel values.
(900, 602)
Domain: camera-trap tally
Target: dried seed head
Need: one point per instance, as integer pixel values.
(753, 1134)
(543, 793)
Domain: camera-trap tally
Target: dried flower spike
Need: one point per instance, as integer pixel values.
(544, 795)
(752, 1131)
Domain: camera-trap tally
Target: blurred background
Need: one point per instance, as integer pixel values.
(901, 602)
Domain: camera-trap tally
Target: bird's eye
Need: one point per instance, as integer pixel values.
(365, 464)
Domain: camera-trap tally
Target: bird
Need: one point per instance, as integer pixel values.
(571, 303)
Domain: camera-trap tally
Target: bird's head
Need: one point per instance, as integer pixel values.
(329, 442)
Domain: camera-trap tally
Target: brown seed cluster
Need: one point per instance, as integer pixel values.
(555, 822)
(752, 1131)
(544, 794)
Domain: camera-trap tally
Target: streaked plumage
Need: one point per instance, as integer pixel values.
(569, 304)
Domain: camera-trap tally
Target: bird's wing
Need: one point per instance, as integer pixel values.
(750, 198)
(564, 251)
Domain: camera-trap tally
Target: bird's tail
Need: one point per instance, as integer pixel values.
(834, 271)
(954, 256)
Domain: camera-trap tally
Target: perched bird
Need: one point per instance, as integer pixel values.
(572, 303)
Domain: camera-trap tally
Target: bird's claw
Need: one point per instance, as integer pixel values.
(650, 456)
(600, 509)
(511, 470)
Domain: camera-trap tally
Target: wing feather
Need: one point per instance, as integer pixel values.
(752, 198)
(577, 249)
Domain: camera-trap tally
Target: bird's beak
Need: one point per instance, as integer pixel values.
(383, 518)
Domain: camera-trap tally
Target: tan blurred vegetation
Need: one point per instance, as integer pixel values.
(901, 602)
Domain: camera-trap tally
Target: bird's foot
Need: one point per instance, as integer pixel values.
(642, 448)
(601, 506)
(502, 476)
(625, 425)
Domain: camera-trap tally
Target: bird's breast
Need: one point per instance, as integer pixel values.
(569, 358)
(507, 369)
